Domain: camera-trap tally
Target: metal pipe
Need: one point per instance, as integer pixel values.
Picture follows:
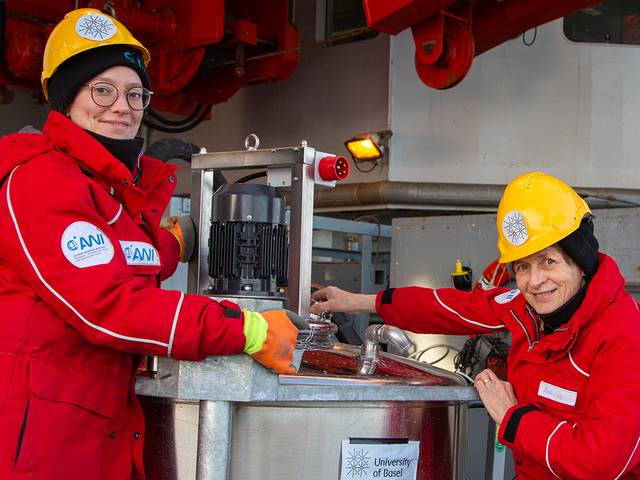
(450, 194)
(374, 335)
(387, 334)
(615, 198)
(632, 284)
(214, 440)
(409, 193)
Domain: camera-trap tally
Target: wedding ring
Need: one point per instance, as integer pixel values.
(486, 380)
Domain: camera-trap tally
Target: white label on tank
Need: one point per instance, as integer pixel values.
(558, 394)
(379, 460)
(95, 27)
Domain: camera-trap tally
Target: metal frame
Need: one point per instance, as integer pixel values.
(301, 162)
(247, 380)
(214, 431)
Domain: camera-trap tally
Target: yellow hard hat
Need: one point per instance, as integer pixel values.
(81, 30)
(535, 212)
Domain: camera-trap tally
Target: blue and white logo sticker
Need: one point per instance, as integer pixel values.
(84, 245)
(140, 253)
(514, 228)
(507, 296)
(95, 26)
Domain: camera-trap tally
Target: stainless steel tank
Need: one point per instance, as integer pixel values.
(231, 418)
(294, 426)
(306, 439)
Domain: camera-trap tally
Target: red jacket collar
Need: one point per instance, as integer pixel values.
(85, 150)
(606, 286)
(89, 154)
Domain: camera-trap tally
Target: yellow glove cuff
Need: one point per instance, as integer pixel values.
(255, 330)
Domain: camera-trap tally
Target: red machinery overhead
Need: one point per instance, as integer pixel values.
(200, 49)
(449, 33)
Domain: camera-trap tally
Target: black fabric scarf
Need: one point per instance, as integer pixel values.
(127, 151)
(563, 314)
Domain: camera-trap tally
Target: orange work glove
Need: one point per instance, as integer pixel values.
(271, 337)
(186, 235)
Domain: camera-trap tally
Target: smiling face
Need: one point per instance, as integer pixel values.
(119, 120)
(548, 279)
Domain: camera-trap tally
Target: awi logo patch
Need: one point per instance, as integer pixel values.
(140, 253)
(85, 245)
(507, 296)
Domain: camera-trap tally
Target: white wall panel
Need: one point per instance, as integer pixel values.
(570, 110)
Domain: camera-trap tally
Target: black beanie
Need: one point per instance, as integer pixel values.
(82, 67)
(582, 246)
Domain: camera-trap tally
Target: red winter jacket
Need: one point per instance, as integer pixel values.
(81, 260)
(578, 388)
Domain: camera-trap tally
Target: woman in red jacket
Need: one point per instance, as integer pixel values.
(571, 406)
(81, 261)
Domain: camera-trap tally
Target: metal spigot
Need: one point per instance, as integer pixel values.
(152, 366)
(319, 331)
(374, 335)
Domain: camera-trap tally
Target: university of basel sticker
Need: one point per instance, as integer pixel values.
(85, 245)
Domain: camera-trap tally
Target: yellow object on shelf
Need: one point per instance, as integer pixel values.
(459, 270)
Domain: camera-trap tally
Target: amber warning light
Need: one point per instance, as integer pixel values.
(333, 168)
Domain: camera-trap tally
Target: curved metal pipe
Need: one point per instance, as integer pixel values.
(409, 193)
(376, 334)
(446, 194)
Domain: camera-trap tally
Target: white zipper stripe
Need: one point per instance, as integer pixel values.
(116, 217)
(547, 450)
(535, 323)
(175, 324)
(523, 328)
(35, 268)
(435, 294)
(576, 366)
(632, 454)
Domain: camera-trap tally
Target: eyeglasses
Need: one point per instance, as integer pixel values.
(104, 95)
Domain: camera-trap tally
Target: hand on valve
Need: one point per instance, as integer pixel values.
(332, 299)
(496, 395)
(271, 337)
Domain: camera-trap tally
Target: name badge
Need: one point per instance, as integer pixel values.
(558, 394)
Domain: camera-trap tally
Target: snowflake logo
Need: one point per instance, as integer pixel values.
(514, 228)
(357, 463)
(95, 27)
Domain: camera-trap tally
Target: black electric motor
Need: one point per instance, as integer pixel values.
(248, 248)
